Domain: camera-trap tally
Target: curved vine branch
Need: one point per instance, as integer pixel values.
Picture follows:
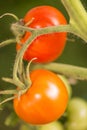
(75, 26)
(76, 72)
(10, 14)
(7, 42)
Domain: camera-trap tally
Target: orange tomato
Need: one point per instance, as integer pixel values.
(45, 100)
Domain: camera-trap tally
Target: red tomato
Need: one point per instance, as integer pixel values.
(45, 100)
(46, 47)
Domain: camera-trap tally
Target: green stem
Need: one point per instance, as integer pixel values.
(17, 61)
(10, 14)
(7, 99)
(7, 42)
(76, 11)
(15, 72)
(78, 17)
(76, 26)
(8, 92)
(18, 94)
(28, 73)
(71, 28)
(8, 80)
(67, 70)
(21, 70)
(46, 30)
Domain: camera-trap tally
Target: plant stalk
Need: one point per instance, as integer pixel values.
(75, 72)
(78, 17)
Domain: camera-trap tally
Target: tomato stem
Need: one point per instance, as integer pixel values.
(17, 93)
(8, 92)
(76, 72)
(29, 41)
(7, 99)
(8, 80)
(10, 14)
(17, 62)
(78, 17)
(19, 77)
(7, 42)
(76, 11)
(46, 30)
(71, 28)
(28, 72)
(15, 72)
(76, 26)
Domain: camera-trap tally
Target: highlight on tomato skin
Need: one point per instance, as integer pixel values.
(47, 47)
(45, 101)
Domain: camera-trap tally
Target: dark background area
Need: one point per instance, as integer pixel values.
(75, 52)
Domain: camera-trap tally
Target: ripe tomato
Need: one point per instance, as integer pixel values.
(45, 101)
(49, 46)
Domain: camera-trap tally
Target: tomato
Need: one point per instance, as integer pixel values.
(76, 125)
(77, 109)
(51, 126)
(25, 127)
(45, 100)
(46, 47)
(77, 114)
(67, 84)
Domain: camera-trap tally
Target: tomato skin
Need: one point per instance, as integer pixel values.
(45, 101)
(56, 125)
(77, 114)
(46, 47)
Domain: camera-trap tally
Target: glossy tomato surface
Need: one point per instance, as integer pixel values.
(48, 47)
(45, 100)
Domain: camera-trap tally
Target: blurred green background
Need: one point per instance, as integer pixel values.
(75, 52)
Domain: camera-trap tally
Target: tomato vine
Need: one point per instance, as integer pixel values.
(21, 73)
(74, 10)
